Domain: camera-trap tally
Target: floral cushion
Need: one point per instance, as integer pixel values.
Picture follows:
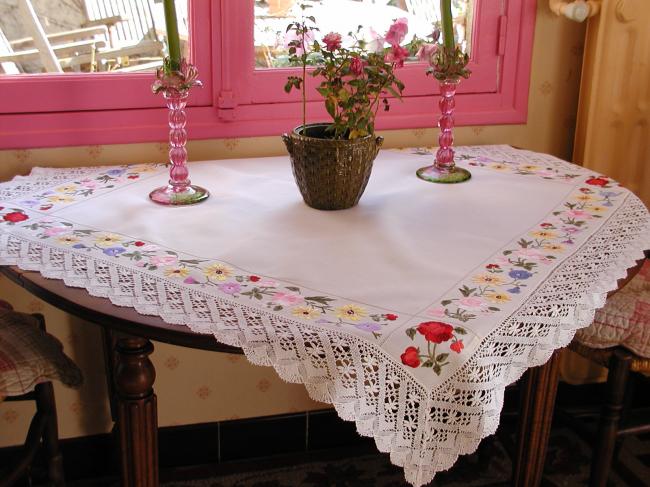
(625, 319)
(29, 356)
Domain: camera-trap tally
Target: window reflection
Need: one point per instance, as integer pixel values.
(84, 36)
(343, 16)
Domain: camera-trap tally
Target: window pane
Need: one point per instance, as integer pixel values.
(84, 36)
(343, 16)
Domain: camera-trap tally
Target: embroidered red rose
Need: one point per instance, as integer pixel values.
(15, 217)
(411, 357)
(457, 346)
(597, 181)
(391, 317)
(492, 266)
(138, 243)
(254, 278)
(133, 176)
(546, 225)
(585, 190)
(436, 331)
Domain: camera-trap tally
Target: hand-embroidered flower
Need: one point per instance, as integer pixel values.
(472, 303)
(390, 316)
(288, 298)
(497, 297)
(67, 239)
(60, 199)
(230, 287)
(305, 312)
(217, 271)
(436, 331)
(545, 234)
(599, 181)
(351, 312)
(457, 346)
(163, 260)
(52, 231)
(520, 274)
(15, 217)
(488, 279)
(411, 357)
(176, 272)
(114, 251)
(107, 240)
(368, 326)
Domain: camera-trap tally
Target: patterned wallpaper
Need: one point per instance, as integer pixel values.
(197, 386)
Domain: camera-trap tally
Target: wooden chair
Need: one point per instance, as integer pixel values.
(624, 321)
(30, 359)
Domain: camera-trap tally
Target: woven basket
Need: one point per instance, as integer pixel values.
(331, 174)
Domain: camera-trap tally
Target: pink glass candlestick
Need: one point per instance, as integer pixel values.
(444, 169)
(175, 89)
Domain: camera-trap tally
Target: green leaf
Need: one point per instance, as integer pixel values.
(442, 357)
(445, 302)
(428, 363)
(460, 330)
(293, 288)
(494, 308)
(410, 332)
(437, 369)
(277, 308)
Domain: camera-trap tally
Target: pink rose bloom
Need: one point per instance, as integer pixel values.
(356, 66)
(397, 32)
(427, 51)
(438, 312)
(288, 298)
(50, 232)
(471, 303)
(163, 260)
(332, 41)
(397, 55)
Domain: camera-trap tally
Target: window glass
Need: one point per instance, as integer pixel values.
(85, 36)
(343, 16)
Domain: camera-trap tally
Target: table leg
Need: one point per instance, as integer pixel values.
(537, 401)
(137, 421)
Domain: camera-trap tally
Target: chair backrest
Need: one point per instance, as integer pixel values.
(35, 29)
(138, 24)
(7, 67)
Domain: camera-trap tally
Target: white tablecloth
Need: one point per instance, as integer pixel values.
(410, 312)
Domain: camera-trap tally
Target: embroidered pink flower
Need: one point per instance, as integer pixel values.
(287, 298)
(579, 214)
(438, 312)
(356, 66)
(471, 302)
(163, 260)
(50, 232)
(397, 55)
(457, 346)
(88, 183)
(332, 41)
(436, 331)
(411, 357)
(397, 32)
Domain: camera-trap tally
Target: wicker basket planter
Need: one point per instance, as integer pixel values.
(331, 174)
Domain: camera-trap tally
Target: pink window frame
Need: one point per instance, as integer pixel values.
(239, 101)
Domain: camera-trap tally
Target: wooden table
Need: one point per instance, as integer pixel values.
(128, 336)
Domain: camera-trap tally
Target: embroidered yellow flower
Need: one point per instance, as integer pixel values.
(488, 279)
(584, 198)
(498, 297)
(219, 272)
(57, 198)
(499, 167)
(554, 247)
(107, 239)
(596, 208)
(529, 167)
(67, 240)
(351, 312)
(305, 312)
(544, 234)
(68, 188)
(177, 272)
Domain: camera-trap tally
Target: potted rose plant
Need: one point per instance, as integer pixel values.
(332, 161)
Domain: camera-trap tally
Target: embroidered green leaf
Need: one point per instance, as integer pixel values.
(446, 302)
(428, 363)
(293, 288)
(466, 291)
(437, 369)
(442, 357)
(319, 299)
(410, 332)
(460, 330)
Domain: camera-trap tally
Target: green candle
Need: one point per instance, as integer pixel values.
(447, 25)
(172, 34)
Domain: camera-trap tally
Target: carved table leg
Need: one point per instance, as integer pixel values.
(136, 412)
(537, 402)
